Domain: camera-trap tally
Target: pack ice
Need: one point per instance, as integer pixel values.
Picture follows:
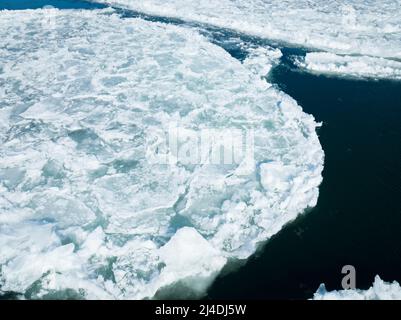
(83, 212)
(362, 29)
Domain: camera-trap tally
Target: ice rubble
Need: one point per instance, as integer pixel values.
(82, 210)
(355, 66)
(370, 28)
(261, 60)
(380, 290)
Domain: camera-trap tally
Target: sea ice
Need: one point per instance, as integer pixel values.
(380, 290)
(261, 60)
(83, 212)
(355, 66)
(369, 28)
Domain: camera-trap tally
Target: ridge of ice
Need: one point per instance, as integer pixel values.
(380, 290)
(82, 211)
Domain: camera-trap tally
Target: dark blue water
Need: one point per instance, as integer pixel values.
(358, 217)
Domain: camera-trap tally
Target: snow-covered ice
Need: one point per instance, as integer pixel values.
(82, 210)
(380, 290)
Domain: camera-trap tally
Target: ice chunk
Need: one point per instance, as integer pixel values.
(89, 99)
(380, 290)
(190, 258)
(355, 66)
(261, 60)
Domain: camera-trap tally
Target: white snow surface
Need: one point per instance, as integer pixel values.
(83, 212)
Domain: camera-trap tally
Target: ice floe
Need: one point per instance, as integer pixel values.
(355, 66)
(83, 211)
(380, 290)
